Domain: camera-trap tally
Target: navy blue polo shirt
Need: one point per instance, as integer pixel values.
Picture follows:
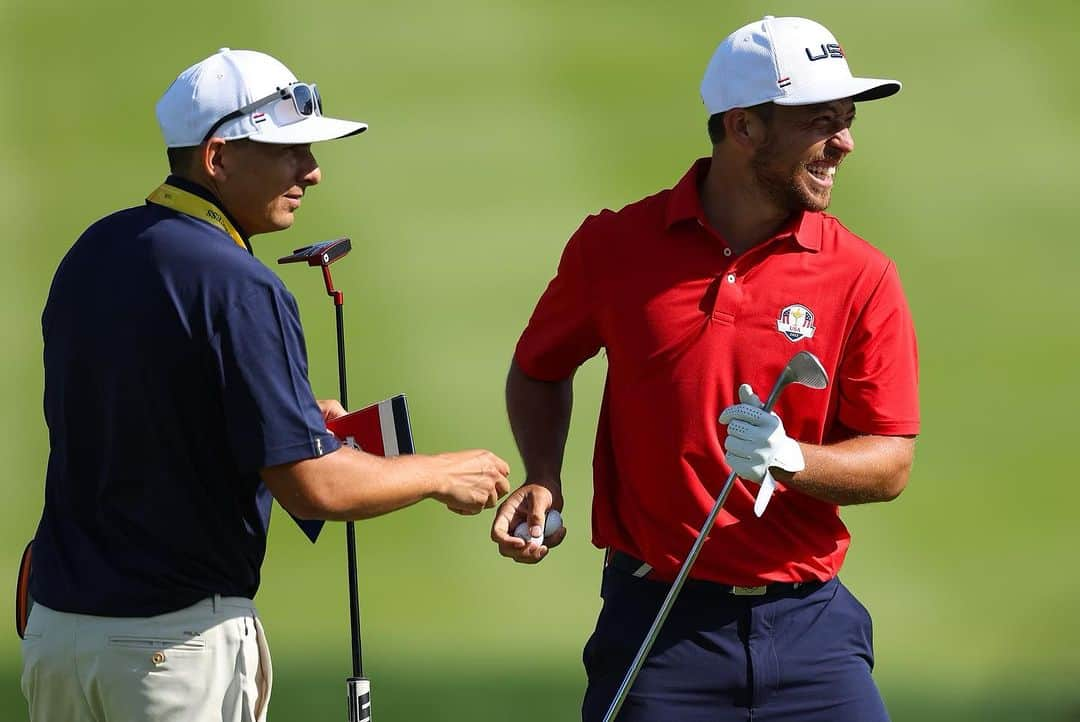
(175, 369)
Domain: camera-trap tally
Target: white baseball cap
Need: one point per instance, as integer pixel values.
(245, 94)
(789, 61)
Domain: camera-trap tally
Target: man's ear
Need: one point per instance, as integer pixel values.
(212, 158)
(744, 128)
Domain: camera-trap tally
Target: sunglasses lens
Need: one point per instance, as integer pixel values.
(306, 101)
(318, 99)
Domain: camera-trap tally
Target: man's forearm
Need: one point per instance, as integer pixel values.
(349, 484)
(539, 413)
(856, 471)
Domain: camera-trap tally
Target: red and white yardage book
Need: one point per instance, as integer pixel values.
(382, 429)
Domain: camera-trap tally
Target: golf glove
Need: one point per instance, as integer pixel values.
(756, 439)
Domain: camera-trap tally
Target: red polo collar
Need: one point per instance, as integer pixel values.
(684, 203)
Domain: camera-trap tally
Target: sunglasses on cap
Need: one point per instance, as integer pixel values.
(305, 100)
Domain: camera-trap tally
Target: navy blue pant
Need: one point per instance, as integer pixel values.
(800, 656)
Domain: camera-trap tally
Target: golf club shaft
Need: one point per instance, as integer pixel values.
(677, 585)
(354, 602)
(350, 528)
(669, 602)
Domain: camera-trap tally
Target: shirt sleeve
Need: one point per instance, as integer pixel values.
(562, 332)
(271, 414)
(879, 373)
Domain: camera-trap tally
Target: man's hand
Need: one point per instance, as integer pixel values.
(528, 503)
(470, 481)
(331, 409)
(756, 439)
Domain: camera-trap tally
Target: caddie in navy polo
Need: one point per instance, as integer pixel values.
(179, 407)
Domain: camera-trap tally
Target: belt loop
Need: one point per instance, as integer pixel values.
(214, 602)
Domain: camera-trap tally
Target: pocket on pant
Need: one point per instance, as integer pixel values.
(863, 624)
(172, 644)
(600, 648)
(620, 627)
(31, 654)
(35, 627)
(256, 676)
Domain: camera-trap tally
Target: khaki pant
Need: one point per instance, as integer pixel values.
(206, 662)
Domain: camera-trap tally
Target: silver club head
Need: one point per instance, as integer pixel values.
(804, 369)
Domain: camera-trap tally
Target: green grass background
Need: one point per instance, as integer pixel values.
(495, 127)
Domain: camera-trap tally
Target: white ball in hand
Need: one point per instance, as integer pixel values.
(552, 524)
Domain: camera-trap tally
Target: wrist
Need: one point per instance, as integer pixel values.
(788, 460)
(783, 475)
(552, 485)
(426, 476)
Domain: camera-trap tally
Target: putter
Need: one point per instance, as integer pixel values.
(803, 368)
(322, 255)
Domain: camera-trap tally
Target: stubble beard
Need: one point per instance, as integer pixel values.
(781, 185)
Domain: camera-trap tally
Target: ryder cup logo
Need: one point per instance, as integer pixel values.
(796, 322)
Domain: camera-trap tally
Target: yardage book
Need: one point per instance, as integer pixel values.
(381, 429)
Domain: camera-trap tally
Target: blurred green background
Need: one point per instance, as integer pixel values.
(495, 127)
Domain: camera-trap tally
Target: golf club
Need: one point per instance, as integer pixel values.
(803, 368)
(322, 255)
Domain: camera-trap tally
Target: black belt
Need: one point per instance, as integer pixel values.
(626, 563)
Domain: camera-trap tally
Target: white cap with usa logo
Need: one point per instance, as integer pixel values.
(237, 94)
(788, 61)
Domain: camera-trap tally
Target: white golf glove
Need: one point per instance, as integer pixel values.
(756, 439)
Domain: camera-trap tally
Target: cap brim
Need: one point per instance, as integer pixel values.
(310, 130)
(858, 89)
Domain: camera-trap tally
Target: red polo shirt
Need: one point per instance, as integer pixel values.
(684, 321)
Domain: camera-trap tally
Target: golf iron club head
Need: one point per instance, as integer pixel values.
(804, 369)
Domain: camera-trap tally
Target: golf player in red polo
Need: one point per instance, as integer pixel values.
(699, 295)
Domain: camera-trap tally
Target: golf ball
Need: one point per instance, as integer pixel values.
(552, 524)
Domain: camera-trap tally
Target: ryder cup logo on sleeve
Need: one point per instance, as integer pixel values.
(796, 322)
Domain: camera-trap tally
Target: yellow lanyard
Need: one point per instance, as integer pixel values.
(180, 200)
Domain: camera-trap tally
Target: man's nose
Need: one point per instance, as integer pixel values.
(843, 140)
(310, 173)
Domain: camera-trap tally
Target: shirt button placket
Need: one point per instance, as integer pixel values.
(727, 299)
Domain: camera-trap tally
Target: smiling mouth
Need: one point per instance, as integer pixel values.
(824, 173)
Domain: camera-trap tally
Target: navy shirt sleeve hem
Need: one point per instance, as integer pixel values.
(319, 446)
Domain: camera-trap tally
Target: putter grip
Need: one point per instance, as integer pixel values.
(359, 699)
